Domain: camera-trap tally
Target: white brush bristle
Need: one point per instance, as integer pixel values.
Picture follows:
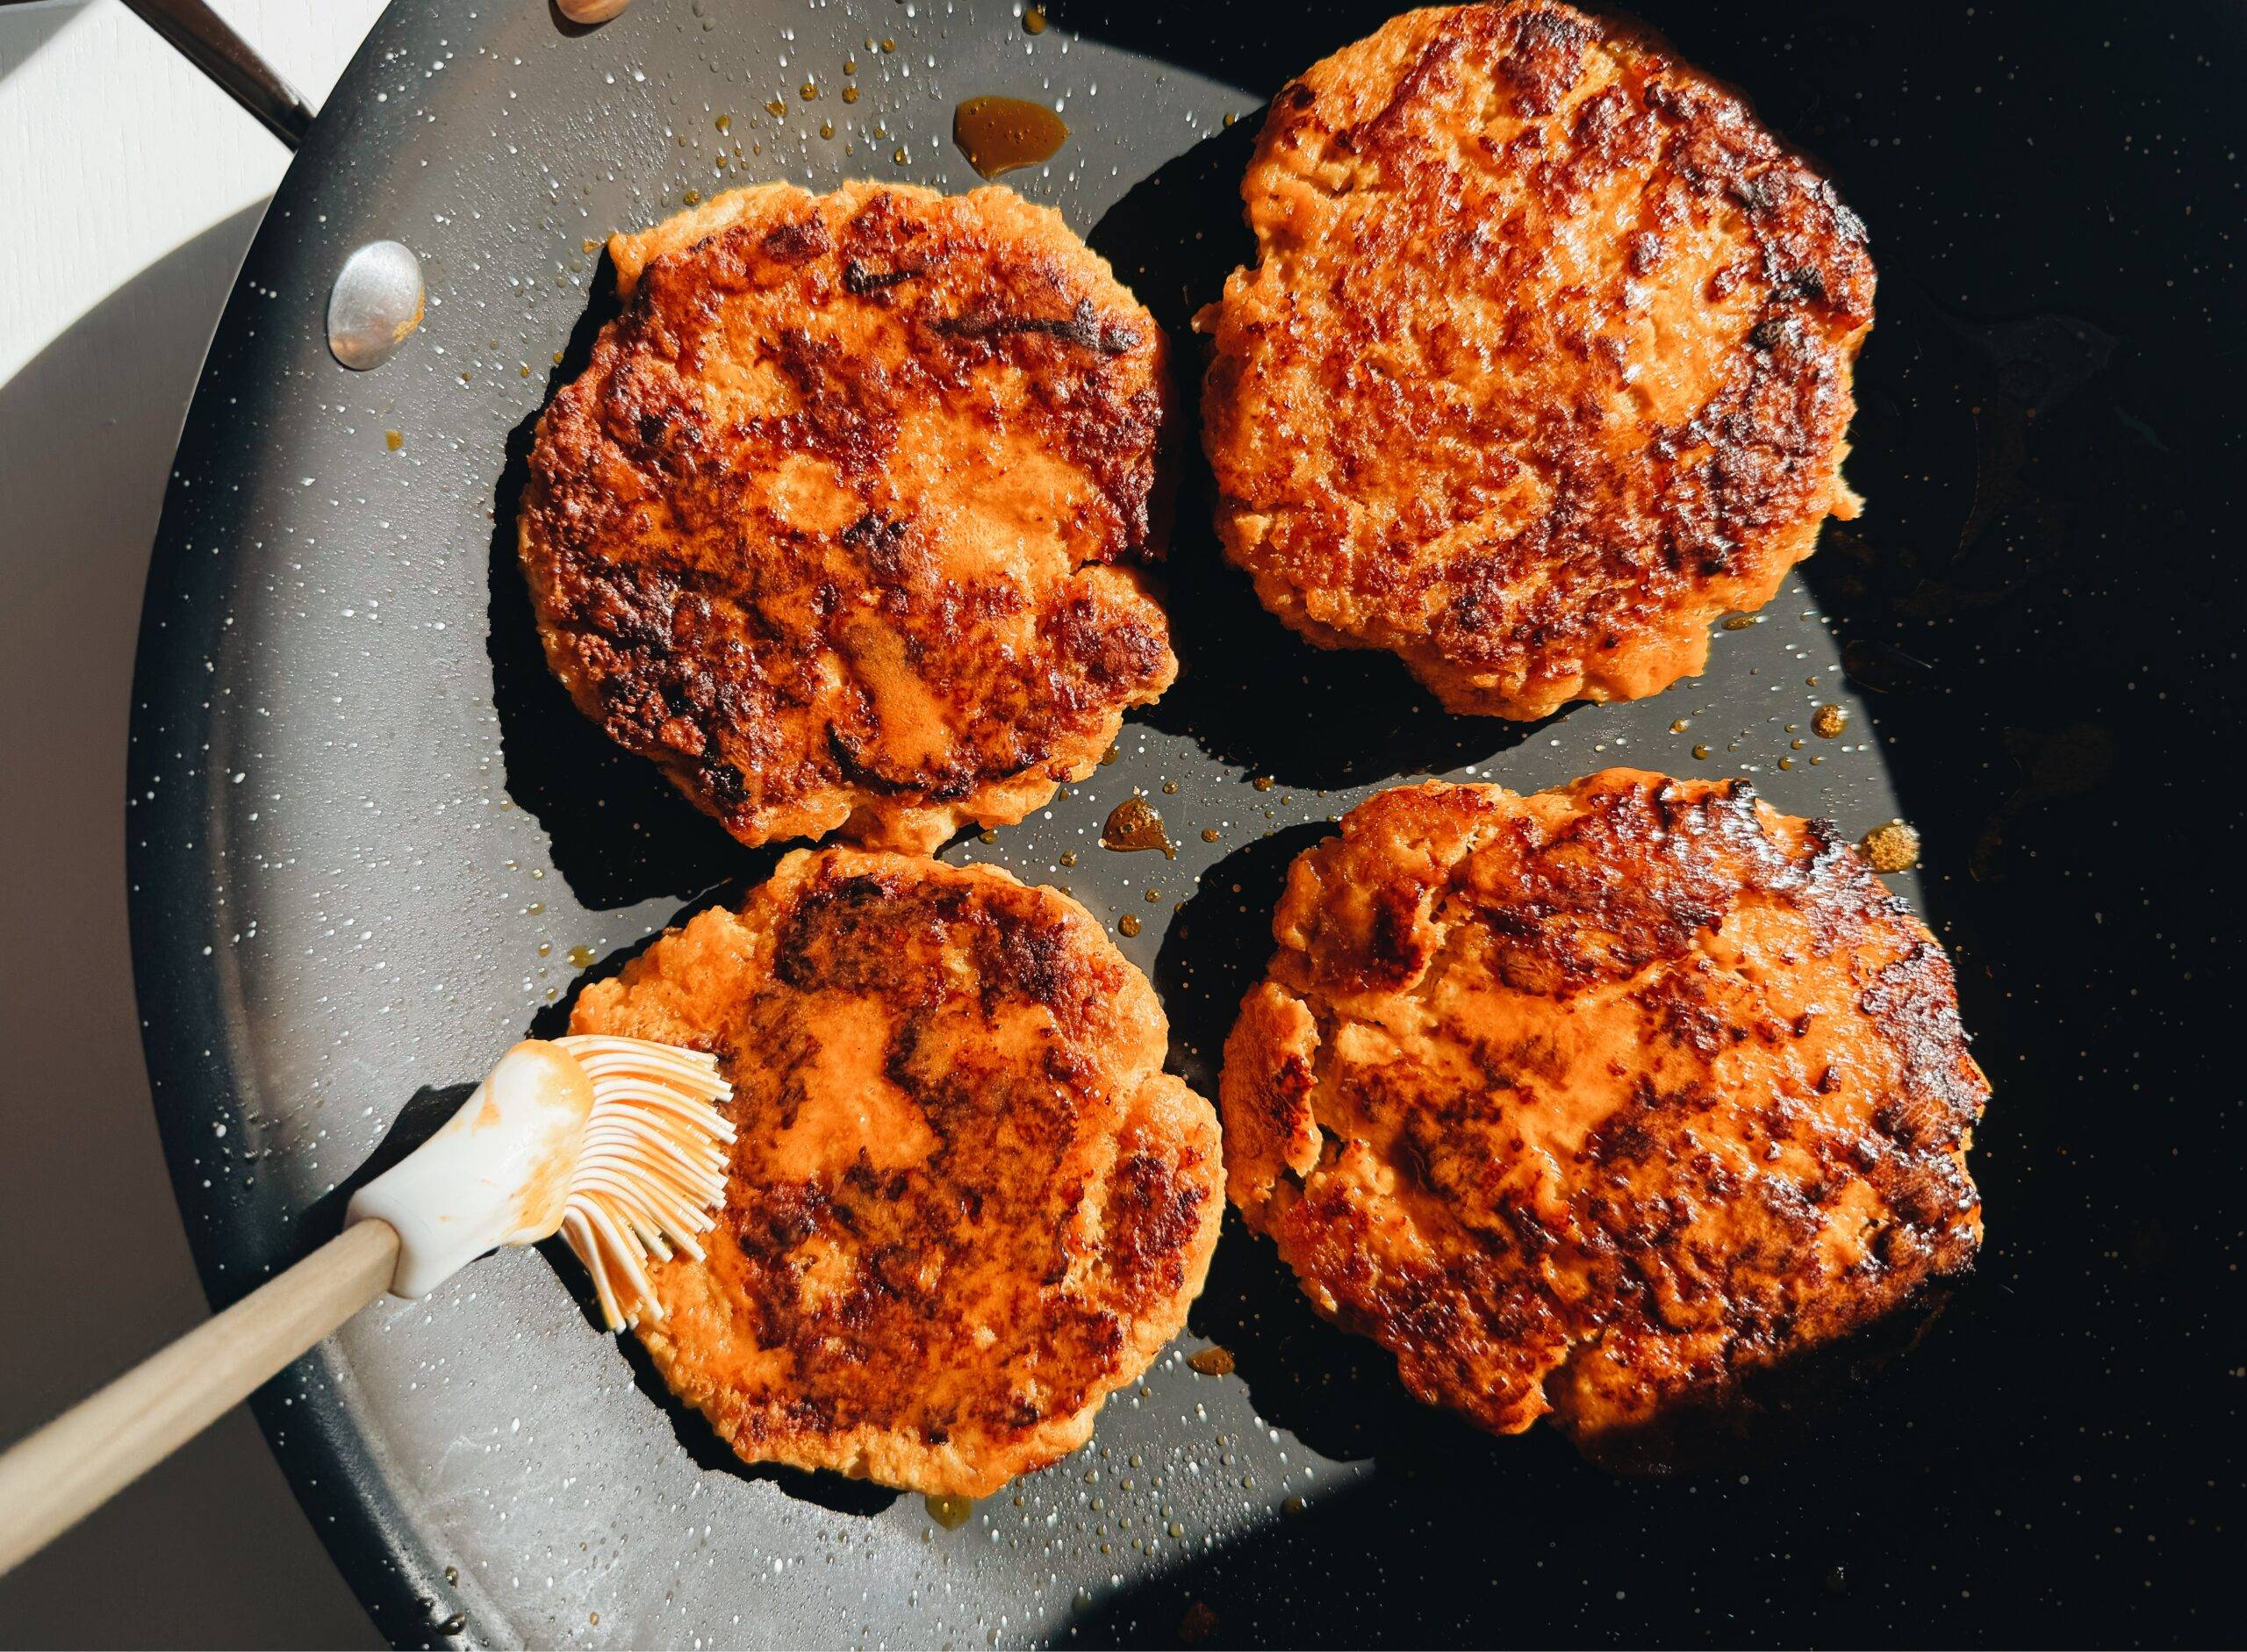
(653, 1171)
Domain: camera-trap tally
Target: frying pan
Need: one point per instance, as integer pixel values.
(370, 843)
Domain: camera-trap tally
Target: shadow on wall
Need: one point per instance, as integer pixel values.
(87, 431)
(25, 29)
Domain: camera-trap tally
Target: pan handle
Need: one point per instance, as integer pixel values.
(201, 36)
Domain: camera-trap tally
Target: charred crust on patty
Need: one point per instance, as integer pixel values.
(1663, 1090)
(1452, 417)
(848, 523)
(964, 1202)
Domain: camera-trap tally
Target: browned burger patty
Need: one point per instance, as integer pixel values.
(1544, 361)
(965, 1202)
(1601, 1101)
(842, 525)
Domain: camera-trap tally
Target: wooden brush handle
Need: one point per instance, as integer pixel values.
(53, 1480)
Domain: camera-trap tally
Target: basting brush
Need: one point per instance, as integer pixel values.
(616, 1144)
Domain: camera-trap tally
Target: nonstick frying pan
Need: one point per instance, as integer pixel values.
(371, 842)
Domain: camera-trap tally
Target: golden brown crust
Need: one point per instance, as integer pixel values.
(843, 524)
(1601, 1101)
(965, 1202)
(1544, 363)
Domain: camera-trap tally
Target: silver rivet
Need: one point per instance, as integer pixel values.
(375, 304)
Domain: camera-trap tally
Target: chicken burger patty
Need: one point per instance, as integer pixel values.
(964, 1202)
(1603, 1101)
(1544, 361)
(843, 524)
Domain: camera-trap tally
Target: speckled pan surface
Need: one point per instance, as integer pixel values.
(371, 843)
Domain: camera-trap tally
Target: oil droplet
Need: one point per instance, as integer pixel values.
(1129, 923)
(889, 46)
(1134, 823)
(452, 1574)
(1068, 856)
(1741, 621)
(1170, 788)
(1208, 833)
(1033, 20)
(1894, 847)
(535, 908)
(725, 124)
(898, 154)
(1212, 1361)
(587, 247)
(1829, 722)
(1262, 782)
(545, 947)
(692, 197)
(1681, 725)
(986, 835)
(825, 128)
(582, 957)
(998, 134)
(1154, 897)
(393, 440)
(1700, 752)
(776, 107)
(850, 94)
(950, 1513)
(810, 90)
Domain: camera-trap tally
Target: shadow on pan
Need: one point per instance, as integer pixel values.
(1457, 1537)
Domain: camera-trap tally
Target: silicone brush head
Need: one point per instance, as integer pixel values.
(652, 1171)
(616, 1144)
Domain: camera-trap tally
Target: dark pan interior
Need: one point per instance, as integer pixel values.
(358, 810)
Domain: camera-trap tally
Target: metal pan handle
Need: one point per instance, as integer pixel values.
(202, 37)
